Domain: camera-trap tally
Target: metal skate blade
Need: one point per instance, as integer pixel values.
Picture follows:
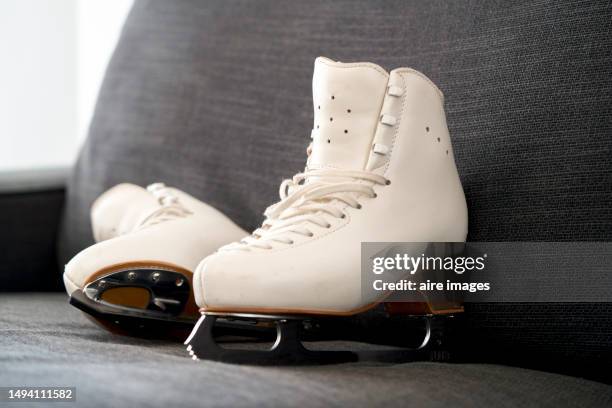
(286, 350)
(143, 323)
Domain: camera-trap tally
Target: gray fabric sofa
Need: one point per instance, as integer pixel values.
(214, 98)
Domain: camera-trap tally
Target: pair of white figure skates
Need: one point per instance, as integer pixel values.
(380, 168)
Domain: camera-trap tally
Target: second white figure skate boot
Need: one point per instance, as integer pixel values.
(380, 168)
(138, 278)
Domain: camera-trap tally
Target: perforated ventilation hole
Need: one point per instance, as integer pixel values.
(333, 97)
(438, 140)
(447, 152)
(328, 141)
(319, 107)
(317, 126)
(331, 119)
(427, 128)
(345, 130)
(348, 111)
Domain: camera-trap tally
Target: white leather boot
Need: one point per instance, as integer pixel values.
(138, 276)
(380, 168)
(121, 208)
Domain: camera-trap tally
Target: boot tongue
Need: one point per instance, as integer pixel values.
(347, 101)
(119, 209)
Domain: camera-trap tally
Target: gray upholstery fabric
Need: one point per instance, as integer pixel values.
(214, 98)
(61, 347)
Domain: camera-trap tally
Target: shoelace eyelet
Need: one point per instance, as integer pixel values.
(375, 195)
(328, 226)
(388, 182)
(343, 216)
(358, 206)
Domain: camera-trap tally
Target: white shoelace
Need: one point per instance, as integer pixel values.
(305, 199)
(170, 207)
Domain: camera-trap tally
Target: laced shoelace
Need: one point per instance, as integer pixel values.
(305, 200)
(309, 196)
(170, 207)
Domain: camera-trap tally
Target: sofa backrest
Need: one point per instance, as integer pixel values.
(214, 97)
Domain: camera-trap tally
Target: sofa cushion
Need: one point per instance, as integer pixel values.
(114, 371)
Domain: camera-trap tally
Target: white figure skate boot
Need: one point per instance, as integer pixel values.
(118, 210)
(380, 168)
(137, 279)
